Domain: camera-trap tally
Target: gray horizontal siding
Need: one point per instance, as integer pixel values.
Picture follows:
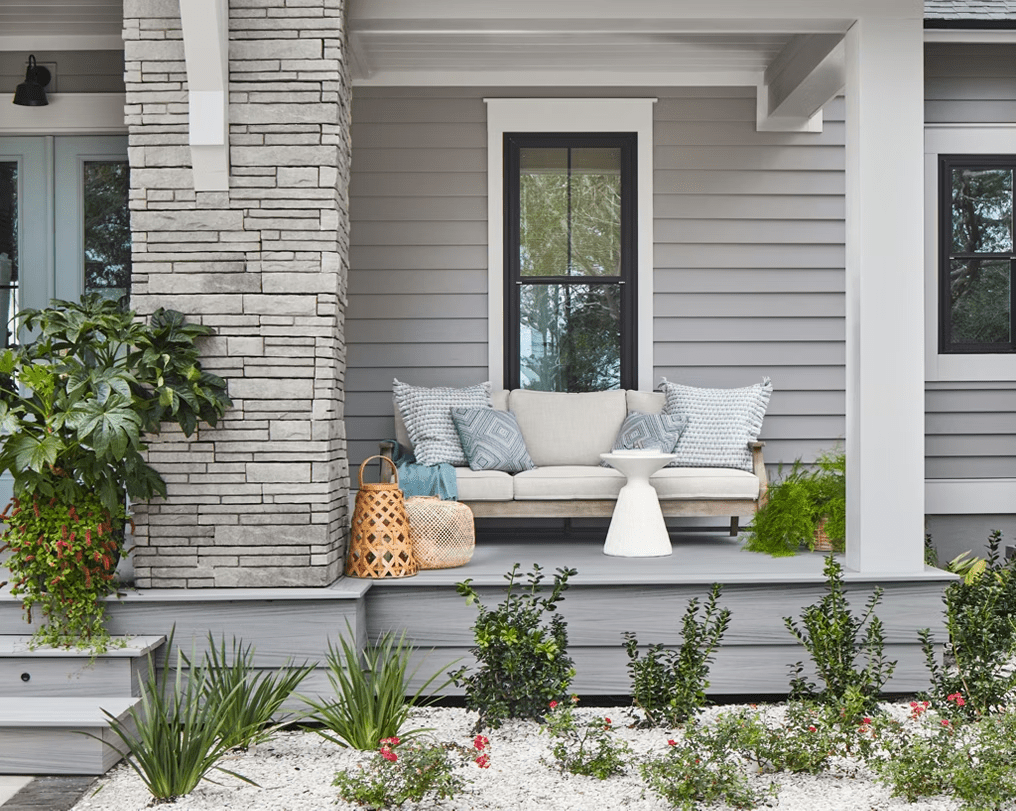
(749, 254)
(970, 429)
(76, 71)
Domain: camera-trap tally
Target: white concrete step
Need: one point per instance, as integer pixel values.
(42, 735)
(69, 672)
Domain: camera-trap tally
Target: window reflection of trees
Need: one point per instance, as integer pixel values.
(107, 229)
(570, 227)
(8, 248)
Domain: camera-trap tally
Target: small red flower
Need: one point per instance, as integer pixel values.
(389, 755)
(867, 720)
(553, 704)
(606, 720)
(812, 729)
(483, 761)
(480, 742)
(671, 742)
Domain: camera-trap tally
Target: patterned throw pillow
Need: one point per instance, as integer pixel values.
(721, 423)
(492, 439)
(649, 431)
(428, 418)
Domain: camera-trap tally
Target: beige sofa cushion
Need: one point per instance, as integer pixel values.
(483, 485)
(704, 482)
(568, 482)
(498, 399)
(581, 482)
(648, 402)
(568, 429)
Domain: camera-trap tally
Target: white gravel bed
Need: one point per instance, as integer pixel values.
(295, 771)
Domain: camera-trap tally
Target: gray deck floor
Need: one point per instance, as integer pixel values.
(697, 558)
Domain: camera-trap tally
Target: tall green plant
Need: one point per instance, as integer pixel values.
(832, 636)
(522, 661)
(669, 686)
(371, 701)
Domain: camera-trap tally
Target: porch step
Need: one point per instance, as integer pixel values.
(42, 735)
(50, 696)
(59, 672)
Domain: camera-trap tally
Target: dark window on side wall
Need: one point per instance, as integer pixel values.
(976, 251)
(570, 261)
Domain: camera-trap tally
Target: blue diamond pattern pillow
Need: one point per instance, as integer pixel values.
(491, 439)
(649, 431)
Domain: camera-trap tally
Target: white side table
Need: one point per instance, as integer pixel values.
(637, 528)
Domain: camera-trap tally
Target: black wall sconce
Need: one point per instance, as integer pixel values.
(31, 92)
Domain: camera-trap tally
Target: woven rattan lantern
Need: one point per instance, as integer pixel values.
(442, 532)
(379, 544)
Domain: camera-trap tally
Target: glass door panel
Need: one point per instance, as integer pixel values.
(8, 248)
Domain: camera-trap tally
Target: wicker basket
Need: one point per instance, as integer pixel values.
(379, 545)
(441, 531)
(822, 542)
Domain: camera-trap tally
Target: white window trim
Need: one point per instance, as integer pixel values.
(568, 115)
(956, 139)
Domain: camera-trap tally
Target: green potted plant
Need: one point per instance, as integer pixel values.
(76, 402)
(806, 503)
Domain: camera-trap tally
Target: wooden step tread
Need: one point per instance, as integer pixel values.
(83, 711)
(17, 645)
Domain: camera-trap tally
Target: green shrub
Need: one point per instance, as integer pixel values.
(399, 772)
(522, 661)
(701, 768)
(831, 636)
(371, 702)
(247, 699)
(584, 748)
(979, 615)
(669, 686)
(931, 755)
(178, 736)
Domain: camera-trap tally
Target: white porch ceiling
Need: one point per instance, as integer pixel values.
(56, 24)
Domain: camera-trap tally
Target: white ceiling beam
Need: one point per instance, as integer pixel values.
(205, 26)
(807, 75)
(560, 78)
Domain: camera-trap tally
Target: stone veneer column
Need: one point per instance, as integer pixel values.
(260, 500)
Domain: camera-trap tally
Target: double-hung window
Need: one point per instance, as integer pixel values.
(570, 261)
(977, 256)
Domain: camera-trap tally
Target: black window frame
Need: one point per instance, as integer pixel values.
(946, 164)
(628, 277)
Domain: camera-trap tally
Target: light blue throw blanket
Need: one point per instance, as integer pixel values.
(424, 480)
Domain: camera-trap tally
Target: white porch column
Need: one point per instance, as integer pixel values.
(884, 301)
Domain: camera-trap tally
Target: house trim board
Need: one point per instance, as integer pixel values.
(970, 496)
(568, 115)
(68, 114)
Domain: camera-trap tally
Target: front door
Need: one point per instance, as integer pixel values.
(64, 225)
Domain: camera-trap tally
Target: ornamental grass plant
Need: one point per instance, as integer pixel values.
(371, 701)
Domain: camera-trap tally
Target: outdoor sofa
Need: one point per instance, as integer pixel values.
(565, 433)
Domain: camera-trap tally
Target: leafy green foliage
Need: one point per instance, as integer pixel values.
(979, 616)
(62, 563)
(701, 768)
(584, 748)
(371, 702)
(522, 659)
(90, 384)
(669, 686)
(179, 735)
(248, 700)
(798, 503)
(931, 755)
(399, 772)
(76, 405)
(831, 637)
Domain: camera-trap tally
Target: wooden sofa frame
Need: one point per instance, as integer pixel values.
(604, 508)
